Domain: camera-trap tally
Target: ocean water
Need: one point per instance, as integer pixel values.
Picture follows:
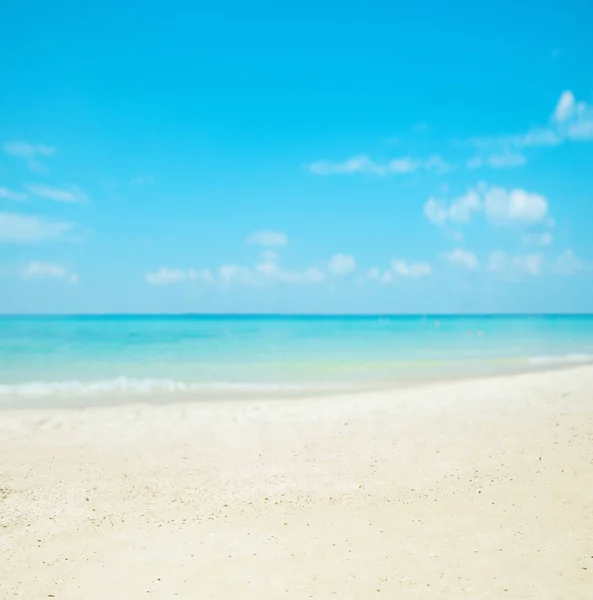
(99, 358)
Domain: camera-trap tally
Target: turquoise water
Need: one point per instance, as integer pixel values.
(84, 355)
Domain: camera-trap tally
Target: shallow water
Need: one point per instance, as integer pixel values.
(93, 356)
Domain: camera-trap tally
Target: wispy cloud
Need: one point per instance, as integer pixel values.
(7, 194)
(499, 205)
(18, 228)
(30, 152)
(538, 239)
(399, 269)
(500, 262)
(503, 160)
(570, 121)
(268, 238)
(412, 270)
(48, 270)
(464, 259)
(364, 165)
(341, 264)
(567, 264)
(69, 193)
(165, 276)
(267, 271)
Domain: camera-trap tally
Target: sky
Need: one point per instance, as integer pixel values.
(310, 157)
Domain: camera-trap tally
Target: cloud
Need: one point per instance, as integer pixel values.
(313, 275)
(574, 119)
(515, 205)
(499, 205)
(502, 160)
(412, 270)
(373, 273)
(459, 211)
(565, 107)
(47, 270)
(435, 211)
(341, 264)
(363, 164)
(6, 194)
(463, 258)
(570, 121)
(268, 238)
(166, 276)
(18, 228)
(538, 239)
(69, 193)
(399, 268)
(462, 208)
(567, 264)
(265, 272)
(500, 262)
(30, 152)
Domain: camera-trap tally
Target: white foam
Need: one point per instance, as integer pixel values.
(125, 385)
(561, 359)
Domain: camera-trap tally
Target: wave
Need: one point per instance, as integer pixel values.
(560, 359)
(125, 385)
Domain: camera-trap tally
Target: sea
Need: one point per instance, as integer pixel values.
(105, 359)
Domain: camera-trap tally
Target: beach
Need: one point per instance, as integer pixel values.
(478, 488)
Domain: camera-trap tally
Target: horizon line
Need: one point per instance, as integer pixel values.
(300, 314)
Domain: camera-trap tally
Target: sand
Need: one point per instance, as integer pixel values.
(470, 489)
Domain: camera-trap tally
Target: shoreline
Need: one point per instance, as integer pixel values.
(461, 489)
(217, 393)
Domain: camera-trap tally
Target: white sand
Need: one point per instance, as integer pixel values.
(476, 489)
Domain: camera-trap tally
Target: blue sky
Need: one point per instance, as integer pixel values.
(314, 157)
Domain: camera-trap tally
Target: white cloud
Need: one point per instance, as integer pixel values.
(268, 238)
(435, 211)
(373, 273)
(30, 152)
(567, 263)
(233, 274)
(475, 162)
(47, 270)
(515, 205)
(462, 208)
(387, 277)
(69, 193)
(463, 258)
(341, 264)
(570, 120)
(574, 119)
(499, 205)
(538, 239)
(502, 160)
(19, 228)
(459, 211)
(313, 275)
(6, 194)
(565, 107)
(531, 264)
(363, 164)
(412, 270)
(166, 276)
(508, 159)
(262, 273)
